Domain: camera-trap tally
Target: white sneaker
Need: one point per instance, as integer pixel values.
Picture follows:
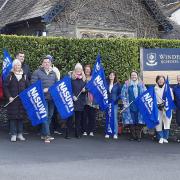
(13, 138)
(165, 140)
(161, 141)
(115, 137)
(20, 137)
(91, 134)
(85, 134)
(107, 136)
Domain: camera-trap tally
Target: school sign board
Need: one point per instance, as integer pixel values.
(159, 61)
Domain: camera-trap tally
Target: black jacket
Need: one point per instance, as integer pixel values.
(12, 88)
(77, 86)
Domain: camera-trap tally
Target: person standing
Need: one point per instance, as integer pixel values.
(48, 77)
(114, 94)
(78, 87)
(21, 57)
(14, 84)
(90, 108)
(164, 122)
(132, 88)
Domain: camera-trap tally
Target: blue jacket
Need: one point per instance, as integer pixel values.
(115, 94)
(176, 91)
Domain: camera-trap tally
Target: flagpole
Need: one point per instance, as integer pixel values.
(11, 101)
(126, 107)
(80, 92)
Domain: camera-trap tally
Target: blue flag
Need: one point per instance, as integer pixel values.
(110, 119)
(147, 106)
(7, 64)
(61, 93)
(34, 102)
(98, 86)
(169, 103)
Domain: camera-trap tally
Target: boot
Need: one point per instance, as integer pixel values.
(67, 134)
(133, 133)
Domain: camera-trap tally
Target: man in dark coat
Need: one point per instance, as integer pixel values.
(21, 57)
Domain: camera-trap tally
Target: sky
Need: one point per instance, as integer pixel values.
(176, 16)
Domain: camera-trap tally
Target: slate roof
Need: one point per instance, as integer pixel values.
(20, 10)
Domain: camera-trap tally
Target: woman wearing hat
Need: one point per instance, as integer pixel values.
(15, 83)
(78, 87)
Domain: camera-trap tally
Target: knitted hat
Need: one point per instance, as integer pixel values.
(49, 57)
(78, 66)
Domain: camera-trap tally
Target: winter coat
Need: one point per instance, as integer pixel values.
(176, 91)
(127, 96)
(115, 93)
(26, 71)
(47, 79)
(77, 86)
(12, 88)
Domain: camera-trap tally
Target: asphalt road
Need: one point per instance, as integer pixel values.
(88, 158)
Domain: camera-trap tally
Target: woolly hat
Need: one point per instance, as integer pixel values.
(49, 57)
(16, 61)
(78, 66)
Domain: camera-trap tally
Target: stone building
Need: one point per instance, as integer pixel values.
(83, 18)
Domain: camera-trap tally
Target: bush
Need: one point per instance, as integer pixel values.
(120, 55)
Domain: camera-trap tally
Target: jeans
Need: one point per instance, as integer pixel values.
(16, 127)
(116, 119)
(46, 124)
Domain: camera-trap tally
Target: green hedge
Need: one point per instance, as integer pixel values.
(120, 55)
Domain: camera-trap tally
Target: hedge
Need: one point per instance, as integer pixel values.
(120, 55)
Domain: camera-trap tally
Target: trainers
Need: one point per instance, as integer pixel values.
(91, 134)
(85, 134)
(50, 138)
(57, 132)
(115, 137)
(43, 137)
(47, 140)
(165, 140)
(161, 141)
(13, 138)
(20, 137)
(107, 136)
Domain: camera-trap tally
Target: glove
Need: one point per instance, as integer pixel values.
(75, 98)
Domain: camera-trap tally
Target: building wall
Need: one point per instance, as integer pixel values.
(120, 17)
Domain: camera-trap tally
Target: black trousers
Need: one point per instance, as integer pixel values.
(78, 120)
(178, 117)
(89, 119)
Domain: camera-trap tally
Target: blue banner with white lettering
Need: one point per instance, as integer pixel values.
(61, 93)
(161, 59)
(110, 118)
(147, 106)
(34, 102)
(169, 103)
(98, 85)
(7, 64)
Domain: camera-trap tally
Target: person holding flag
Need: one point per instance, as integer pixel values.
(78, 88)
(131, 116)
(165, 98)
(48, 77)
(114, 94)
(176, 91)
(14, 84)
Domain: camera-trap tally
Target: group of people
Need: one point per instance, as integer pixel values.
(85, 106)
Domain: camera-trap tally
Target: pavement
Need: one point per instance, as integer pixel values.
(88, 158)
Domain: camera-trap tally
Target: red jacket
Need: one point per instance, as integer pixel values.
(1, 88)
